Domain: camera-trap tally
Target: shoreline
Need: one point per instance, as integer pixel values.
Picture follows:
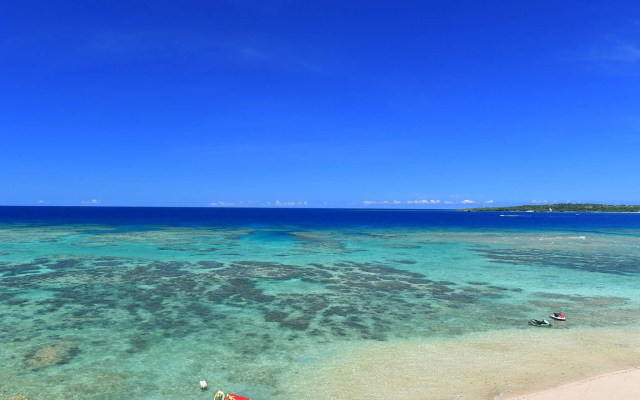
(620, 384)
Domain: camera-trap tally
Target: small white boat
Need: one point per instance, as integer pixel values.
(558, 316)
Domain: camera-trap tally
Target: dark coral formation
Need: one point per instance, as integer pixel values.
(58, 353)
(179, 298)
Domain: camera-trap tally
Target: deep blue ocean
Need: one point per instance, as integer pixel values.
(312, 218)
(141, 303)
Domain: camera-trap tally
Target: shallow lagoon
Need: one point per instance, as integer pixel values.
(111, 306)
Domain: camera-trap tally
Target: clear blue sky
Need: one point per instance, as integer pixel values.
(187, 103)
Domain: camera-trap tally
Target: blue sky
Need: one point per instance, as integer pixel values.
(356, 103)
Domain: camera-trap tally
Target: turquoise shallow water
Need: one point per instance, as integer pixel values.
(115, 311)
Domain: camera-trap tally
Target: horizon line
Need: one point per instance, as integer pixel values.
(306, 207)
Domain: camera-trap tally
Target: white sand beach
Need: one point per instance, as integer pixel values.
(619, 385)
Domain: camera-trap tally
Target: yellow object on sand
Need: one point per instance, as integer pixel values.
(219, 395)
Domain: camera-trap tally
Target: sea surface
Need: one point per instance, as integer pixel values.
(142, 303)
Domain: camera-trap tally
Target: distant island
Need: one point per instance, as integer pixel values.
(563, 207)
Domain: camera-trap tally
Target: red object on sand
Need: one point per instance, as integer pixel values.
(236, 397)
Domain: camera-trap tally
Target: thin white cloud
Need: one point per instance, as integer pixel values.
(222, 204)
(93, 201)
(449, 202)
(40, 201)
(371, 202)
(488, 202)
(615, 49)
(279, 203)
(127, 44)
(538, 201)
(467, 202)
(423, 201)
(397, 202)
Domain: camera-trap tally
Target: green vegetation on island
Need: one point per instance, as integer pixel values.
(563, 207)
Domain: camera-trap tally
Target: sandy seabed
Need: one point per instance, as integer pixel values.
(487, 365)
